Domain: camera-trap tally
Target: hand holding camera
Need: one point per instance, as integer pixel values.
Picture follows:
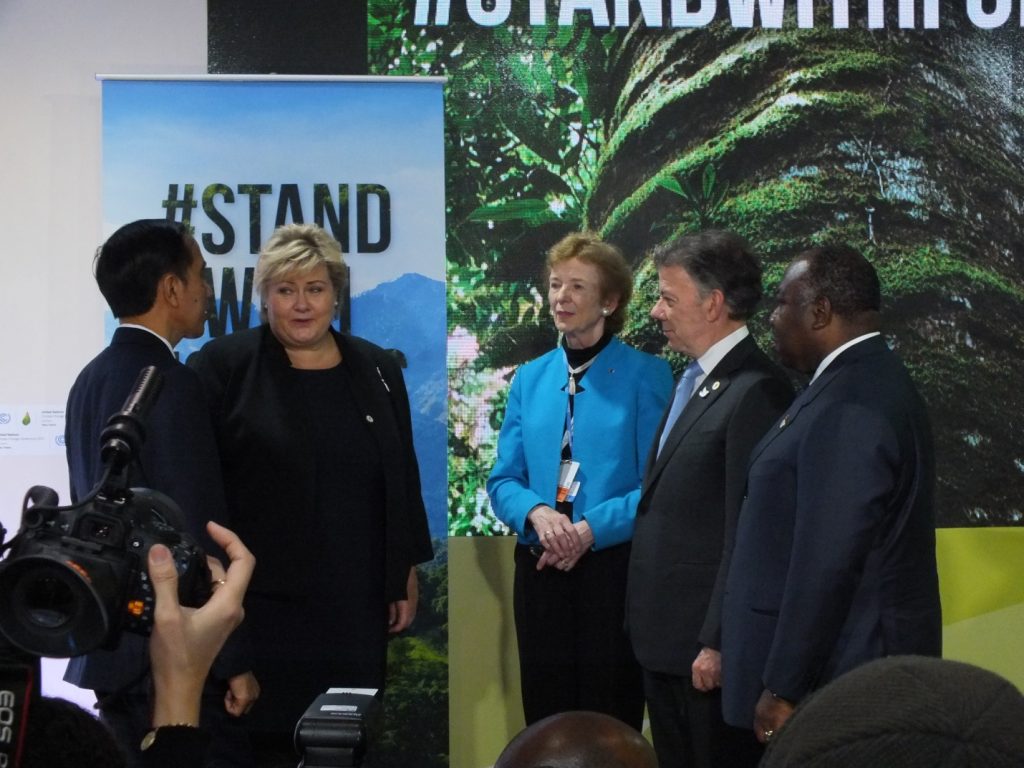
(185, 641)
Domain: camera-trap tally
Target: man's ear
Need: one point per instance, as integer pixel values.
(169, 289)
(716, 305)
(821, 313)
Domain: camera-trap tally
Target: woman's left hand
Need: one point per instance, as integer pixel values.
(402, 612)
(556, 531)
(586, 540)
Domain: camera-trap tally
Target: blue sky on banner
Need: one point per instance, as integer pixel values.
(239, 134)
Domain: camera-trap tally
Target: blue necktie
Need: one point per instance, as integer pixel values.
(683, 392)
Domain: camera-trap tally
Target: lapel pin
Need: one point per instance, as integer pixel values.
(716, 385)
(703, 392)
(784, 420)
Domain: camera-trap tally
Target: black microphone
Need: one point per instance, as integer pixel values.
(125, 431)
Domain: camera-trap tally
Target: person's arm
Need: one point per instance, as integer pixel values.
(417, 526)
(611, 520)
(511, 489)
(770, 714)
(185, 641)
(402, 612)
(757, 411)
(850, 460)
(198, 468)
(508, 486)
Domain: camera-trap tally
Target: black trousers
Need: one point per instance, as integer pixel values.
(687, 726)
(573, 652)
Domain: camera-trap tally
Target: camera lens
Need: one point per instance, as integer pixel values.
(49, 602)
(50, 607)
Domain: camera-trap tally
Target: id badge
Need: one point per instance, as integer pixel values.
(573, 490)
(567, 486)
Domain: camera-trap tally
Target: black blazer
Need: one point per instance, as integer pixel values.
(834, 563)
(179, 458)
(245, 375)
(687, 513)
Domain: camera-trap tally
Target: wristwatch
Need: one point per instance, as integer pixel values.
(150, 738)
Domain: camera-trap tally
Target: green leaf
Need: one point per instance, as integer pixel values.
(558, 72)
(708, 180)
(581, 83)
(530, 209)
(542, 78)
(671, 184)
(563, 37)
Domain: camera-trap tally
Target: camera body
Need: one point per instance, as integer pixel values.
(75, 577)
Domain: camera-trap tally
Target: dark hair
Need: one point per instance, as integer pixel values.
(61, 735)
(717, 259)
(128, 267)
(909, 711)
(616, 276)
(844, 277)
(576, 738)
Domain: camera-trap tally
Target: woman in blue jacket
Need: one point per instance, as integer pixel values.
(571, 455)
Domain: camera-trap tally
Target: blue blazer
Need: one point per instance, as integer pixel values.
(617, 410)
(834, 563)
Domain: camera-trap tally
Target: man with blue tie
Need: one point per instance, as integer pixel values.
(709, 286)
(834, 562)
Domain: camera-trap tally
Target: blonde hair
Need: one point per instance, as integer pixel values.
(298, 249)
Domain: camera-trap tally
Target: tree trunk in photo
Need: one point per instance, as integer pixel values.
(903, 143)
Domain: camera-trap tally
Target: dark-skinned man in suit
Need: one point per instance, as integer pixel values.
(709, 285)
(834, 563)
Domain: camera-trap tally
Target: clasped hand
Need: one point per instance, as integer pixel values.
(564, 541)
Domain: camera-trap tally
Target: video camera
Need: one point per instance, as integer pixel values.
(75, 577)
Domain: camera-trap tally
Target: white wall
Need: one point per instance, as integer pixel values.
(51, 314)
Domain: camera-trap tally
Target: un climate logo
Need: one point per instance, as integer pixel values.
(5, 418)
(59, 440)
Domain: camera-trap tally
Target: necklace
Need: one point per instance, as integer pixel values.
(573, 372)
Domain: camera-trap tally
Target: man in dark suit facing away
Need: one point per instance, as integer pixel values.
(834, 563)
(150, 273)
(710, 284)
